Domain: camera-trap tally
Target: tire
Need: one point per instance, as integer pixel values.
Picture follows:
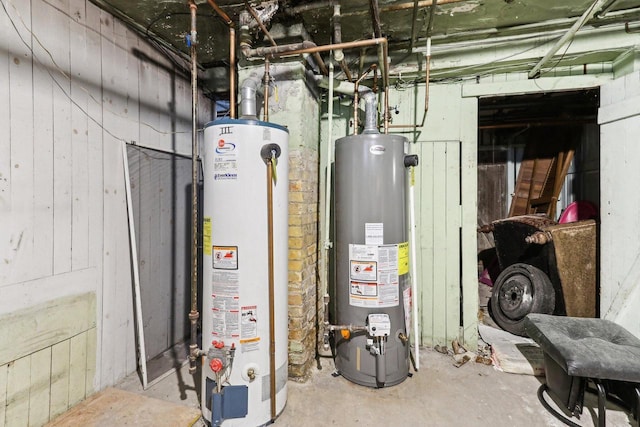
(520, 289)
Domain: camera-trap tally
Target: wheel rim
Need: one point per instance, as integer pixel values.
(516, 297)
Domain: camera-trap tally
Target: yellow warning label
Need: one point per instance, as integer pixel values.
(403, 258)
(206, 235)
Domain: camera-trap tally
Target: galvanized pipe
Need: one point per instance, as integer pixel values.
(194, 314)
(267, 78)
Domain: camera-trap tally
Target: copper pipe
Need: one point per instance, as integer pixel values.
(290, 50)
(345, 68)
(260, 24)
(272, 331)
(385, 59)
(356, 97)
(267, 78)
(328, 47)
(232, 72)
(194, 314)
(220, 12)
(320, 64)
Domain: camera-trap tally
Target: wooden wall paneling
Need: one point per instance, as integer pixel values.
(182, 99)
(149, 99)
(439, 201)
(60, 354)
(452, 210)
(5, 127)
(43, 228)
(77, 368)
(167, 105)
(3, 392)
(62, 152)
(426, 214)
(17, 412)
(132, 124)
(417, 199)
(43, 325)
(93, 84)
(469, 215)
(80, 70)
(40, 389)
(111, 155)
(21, 136)
(91, 384)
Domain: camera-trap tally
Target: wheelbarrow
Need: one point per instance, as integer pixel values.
(546, 267)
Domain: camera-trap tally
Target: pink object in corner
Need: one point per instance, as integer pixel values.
(578, 211)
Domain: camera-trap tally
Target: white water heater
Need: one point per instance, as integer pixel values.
(236, 375)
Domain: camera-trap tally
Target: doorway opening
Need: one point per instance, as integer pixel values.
(538, 154)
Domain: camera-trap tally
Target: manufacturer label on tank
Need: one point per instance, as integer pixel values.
(225, 160)
(374, 233)
(377, 149)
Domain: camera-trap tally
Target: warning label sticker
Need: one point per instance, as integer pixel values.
(373, 276)
(403, 258)
(206, 235)
(249, 339)
(364, 270)
(225, 257)
(225, 304)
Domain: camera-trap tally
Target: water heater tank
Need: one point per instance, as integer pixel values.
(372, 287)
(235, 321)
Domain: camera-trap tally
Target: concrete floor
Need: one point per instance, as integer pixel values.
(440, 394)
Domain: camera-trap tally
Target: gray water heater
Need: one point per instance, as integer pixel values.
(372, 286)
